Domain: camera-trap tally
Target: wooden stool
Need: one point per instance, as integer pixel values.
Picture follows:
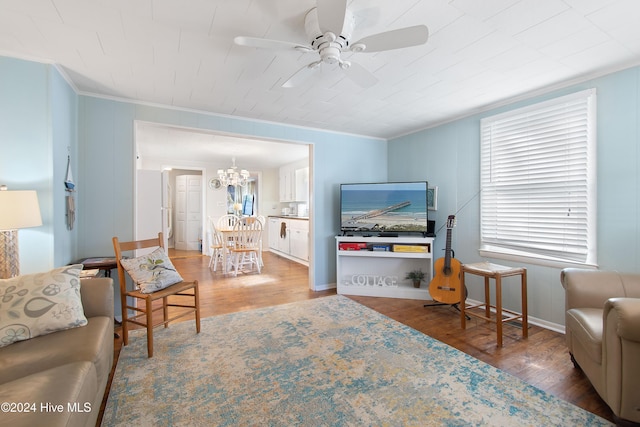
(497, 272)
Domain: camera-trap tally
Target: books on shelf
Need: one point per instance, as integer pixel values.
(383, 247)
(352, 246)
(412, 248)
(91, 273)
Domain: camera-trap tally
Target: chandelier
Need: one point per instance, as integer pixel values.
(232, 177)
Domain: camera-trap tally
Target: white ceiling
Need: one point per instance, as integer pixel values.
(172, 52)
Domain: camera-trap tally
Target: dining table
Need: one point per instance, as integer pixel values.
(227, 239)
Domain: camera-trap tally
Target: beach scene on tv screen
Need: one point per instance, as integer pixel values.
(392, 207)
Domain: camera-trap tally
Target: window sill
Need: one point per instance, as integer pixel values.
(529, 259)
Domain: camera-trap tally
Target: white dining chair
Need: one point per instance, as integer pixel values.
(263, 221)
(226, 222)
(217, 247)
(245, 244)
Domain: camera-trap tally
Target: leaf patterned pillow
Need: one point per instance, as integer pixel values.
(151, 272)
(39, 304)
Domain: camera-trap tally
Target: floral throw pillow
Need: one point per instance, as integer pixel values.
(151, 272)
(39, 304)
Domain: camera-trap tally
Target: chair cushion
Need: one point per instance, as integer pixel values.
(586, 326)
(38, 304)
(151, 272)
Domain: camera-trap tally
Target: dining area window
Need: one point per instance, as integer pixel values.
(242, 200)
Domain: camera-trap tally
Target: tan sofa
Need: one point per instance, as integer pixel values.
(60, 379)
(603, 335)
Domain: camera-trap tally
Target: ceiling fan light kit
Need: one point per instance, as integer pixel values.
(329, 27)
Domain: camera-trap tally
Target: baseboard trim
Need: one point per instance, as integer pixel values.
(289, 257)
(325, 287)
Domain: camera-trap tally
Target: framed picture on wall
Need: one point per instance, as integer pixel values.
(432, 198)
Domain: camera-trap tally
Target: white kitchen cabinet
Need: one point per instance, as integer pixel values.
(289, 237)
(301, 176)
(299, 239)
(294, 183)
(284, 238)
(274, 232)
(287, 183)
(279, 235)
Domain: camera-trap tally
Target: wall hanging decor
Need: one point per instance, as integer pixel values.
(69, 186)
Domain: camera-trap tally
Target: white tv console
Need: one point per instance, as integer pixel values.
(382, 273)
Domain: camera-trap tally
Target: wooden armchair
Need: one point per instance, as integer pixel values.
(145, 310)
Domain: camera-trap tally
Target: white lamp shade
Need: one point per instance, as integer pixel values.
(19, 209)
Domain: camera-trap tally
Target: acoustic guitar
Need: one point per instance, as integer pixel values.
(445, 285)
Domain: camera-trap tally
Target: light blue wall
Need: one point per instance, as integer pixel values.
(37, 116)
(64, 142)
(40, 117)
(42, 121)
(106, 152)
(449, 157)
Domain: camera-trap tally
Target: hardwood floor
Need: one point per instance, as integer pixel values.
(541, 360)
(281, 281)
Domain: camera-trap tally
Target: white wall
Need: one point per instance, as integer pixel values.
(270, 193)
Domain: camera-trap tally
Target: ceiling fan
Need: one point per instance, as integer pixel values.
(329, 27)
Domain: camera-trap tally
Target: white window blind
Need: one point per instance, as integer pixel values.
(538, 180)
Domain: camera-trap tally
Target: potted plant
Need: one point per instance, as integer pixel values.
(416, 276)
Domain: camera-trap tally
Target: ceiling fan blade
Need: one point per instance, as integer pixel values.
(331, 14)
(270, 44)
(360, 75)
(394, 39)
(302, 74)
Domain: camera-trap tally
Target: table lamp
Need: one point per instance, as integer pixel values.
(18, 209)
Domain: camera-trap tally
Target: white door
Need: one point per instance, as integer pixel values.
(194, 212)
(188, 212)
(167, 212)
(148, 218)
(148, 203)
(180, 232)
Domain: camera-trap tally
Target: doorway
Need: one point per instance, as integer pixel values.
(170, 200)
(159, 146)
(184, 230)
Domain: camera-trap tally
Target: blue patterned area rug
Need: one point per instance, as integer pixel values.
(323, 362)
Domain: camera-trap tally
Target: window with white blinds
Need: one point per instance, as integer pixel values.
(538, 180)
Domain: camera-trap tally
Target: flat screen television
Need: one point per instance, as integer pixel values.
(389, 208)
